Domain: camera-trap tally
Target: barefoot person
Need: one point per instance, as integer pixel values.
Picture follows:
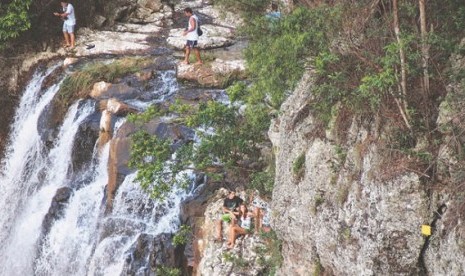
(192, 36)
(242, 227)
(230, 211)
(69, 22)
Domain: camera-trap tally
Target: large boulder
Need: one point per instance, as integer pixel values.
(153, 5)
(137, 28)
(108, 42)
(105, 90)
(148, 252)
(223, 18)
(57, 207)
(217, 74)
(84, 142)
(116, 107)
(213, 37)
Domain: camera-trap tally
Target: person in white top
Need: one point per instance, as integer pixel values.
(192, 36)
(69, 22)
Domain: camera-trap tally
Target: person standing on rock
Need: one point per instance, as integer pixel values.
(69, 22)
(192, 36)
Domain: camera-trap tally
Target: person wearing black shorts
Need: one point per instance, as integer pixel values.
(192, 36)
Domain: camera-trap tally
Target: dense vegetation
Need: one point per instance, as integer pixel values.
(369, 57)
(14, 19)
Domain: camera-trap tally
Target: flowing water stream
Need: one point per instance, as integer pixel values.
(83, 240)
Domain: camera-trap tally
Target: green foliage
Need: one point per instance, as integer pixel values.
(263, 182)
(80, 82)
(319, 199)
(144, 117)
(235, 260)
(270, 255)
(182, 236)
(318, 268)
(14, 19)
(235, 136)
(341, 153)
(156, 172)
(278, 51)
(168, 271)
(345, 233)
(276, 58)
(342, 194)
(248, 9)
(298, 164)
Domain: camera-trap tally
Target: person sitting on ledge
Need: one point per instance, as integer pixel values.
(242, 226)
(261, 212)
(230, 211)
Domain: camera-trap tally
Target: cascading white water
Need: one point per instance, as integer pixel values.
(24, 148)
(19, 251)
(83, 241)
(71, 240)
(134, 213)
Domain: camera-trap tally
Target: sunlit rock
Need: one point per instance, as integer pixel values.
(69, 60)
(118, 108)
(107, 42)
(217, 74)
(213, 37)
(105, 90)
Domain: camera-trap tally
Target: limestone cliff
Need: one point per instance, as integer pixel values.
(344, 206)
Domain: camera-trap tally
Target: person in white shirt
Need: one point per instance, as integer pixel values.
(69, 22)
(192, 36)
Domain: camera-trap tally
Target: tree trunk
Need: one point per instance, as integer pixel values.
(424, 46)
(403, 70)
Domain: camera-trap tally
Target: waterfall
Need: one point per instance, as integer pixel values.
(19, 251)
(134, 214)
(83, 240)
(16, 179)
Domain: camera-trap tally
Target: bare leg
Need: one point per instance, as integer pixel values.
(219, 230)
(235, 231)
(256, 214)
(231, 235)
(65, 35)
(197, 55)
(186, 57)
(71, 35)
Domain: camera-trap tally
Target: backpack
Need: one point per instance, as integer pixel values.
(199, 31)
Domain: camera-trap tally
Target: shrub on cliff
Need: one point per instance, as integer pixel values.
(276, 58)
(14, 19)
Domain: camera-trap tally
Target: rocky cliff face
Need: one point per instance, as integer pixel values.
(344, 206)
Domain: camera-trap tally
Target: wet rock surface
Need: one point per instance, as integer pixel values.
(138, 28)
(57, 207)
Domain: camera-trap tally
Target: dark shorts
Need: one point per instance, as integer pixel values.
(191, 44)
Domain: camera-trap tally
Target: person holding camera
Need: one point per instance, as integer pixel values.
(69, 23)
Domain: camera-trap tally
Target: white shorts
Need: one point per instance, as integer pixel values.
(68, 28)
